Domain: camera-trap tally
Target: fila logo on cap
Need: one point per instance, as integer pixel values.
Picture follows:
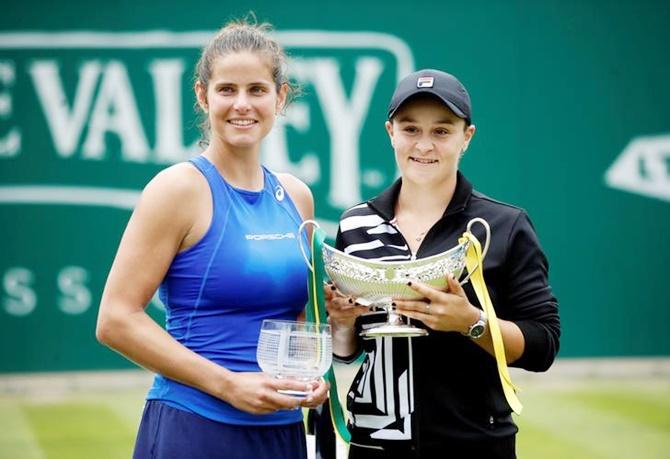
(425, 82)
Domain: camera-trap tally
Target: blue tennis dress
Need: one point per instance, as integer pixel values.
(247, 267)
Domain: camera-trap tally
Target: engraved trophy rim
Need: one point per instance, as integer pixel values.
(396, 263)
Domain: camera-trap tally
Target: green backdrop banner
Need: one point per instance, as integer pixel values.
(571, 102)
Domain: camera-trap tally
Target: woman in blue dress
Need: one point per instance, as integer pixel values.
(217, 236)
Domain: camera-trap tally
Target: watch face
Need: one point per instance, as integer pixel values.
(477, 330)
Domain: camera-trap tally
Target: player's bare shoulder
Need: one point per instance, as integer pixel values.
(177, 194)
(179, 178)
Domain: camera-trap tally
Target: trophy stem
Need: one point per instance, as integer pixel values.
(394, 326)
(393, 317)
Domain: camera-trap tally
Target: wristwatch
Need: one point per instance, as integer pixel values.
(477, 329)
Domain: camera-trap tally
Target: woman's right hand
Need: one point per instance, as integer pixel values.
(342, 314)
(342, 310)
(257, 393)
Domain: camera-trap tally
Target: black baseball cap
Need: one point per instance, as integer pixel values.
(443, 85)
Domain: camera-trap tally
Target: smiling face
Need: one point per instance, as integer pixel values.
(241, 100)
(428, 140)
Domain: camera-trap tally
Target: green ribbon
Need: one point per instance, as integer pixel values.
(316, 312)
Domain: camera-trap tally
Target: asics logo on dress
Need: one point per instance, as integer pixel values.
(279, 193)
(269, 237)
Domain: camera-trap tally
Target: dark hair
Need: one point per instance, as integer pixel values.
(237, 36)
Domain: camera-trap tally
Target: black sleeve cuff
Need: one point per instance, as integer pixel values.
(541, 346)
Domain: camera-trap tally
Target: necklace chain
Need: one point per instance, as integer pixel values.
(417, 238)
(421, 235)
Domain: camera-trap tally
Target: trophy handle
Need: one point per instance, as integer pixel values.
(300, 244)
(487, 228)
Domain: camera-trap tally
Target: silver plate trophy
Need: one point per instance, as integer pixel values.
(296, 350)
(377, 283)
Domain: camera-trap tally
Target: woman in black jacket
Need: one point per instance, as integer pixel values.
(440, 395)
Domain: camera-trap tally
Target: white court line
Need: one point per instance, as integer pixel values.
(16, 437)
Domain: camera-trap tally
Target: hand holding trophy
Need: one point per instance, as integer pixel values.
(377, 283)
(297, 350)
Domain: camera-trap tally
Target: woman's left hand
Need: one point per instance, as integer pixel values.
(318, 395)
(443, 311)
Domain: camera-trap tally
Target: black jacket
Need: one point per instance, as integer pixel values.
(456, 394)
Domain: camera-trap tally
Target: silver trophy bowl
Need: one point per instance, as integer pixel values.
(378, 283)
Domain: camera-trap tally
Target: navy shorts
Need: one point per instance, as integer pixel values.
(169, 433)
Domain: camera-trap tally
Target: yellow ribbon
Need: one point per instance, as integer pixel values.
(473, 261)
